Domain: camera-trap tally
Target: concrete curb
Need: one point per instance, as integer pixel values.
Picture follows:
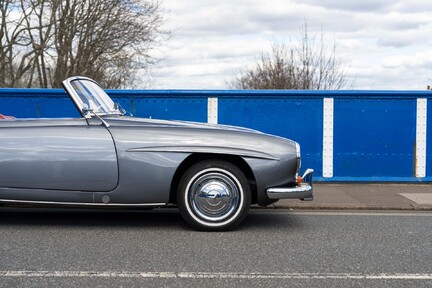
(363, 196)
(337, 207)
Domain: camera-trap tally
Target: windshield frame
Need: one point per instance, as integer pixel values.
(89, 97)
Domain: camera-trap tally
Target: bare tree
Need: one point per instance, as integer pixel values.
(5, 42)
(107, 40)
(307, 64)
(16, 53)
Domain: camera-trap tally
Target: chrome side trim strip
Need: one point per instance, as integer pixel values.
(207, 149)
(82, 204)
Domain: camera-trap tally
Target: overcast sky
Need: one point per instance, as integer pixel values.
(385, 44)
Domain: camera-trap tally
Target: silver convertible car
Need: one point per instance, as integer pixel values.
(213, 173)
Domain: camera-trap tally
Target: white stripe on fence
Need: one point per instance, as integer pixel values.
(328, 115)
(212, 110)
(421, 133)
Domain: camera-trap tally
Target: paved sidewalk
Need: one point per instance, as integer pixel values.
(365, 196)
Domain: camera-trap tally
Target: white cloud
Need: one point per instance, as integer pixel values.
(384, 43)
(414, 6)
(421, 60)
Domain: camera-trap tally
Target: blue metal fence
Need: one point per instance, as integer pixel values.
(372, 135)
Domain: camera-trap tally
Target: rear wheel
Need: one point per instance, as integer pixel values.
(214, 195)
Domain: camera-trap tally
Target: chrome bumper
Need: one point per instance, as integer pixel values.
(302, 190)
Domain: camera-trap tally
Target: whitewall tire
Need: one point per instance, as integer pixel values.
(214, 195)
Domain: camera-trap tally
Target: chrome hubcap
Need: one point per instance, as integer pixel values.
(213, 196)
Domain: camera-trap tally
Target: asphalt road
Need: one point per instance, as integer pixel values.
(84, 248)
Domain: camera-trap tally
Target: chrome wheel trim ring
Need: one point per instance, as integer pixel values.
(214, 197)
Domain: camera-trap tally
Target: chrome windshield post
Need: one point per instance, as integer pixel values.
(87, 111)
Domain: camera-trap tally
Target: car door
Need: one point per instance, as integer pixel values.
(57, 154)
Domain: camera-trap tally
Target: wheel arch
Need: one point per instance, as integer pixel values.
(198, 157)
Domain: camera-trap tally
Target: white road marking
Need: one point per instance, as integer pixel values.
(214, 275)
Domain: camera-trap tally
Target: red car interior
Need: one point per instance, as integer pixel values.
(6, 117)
